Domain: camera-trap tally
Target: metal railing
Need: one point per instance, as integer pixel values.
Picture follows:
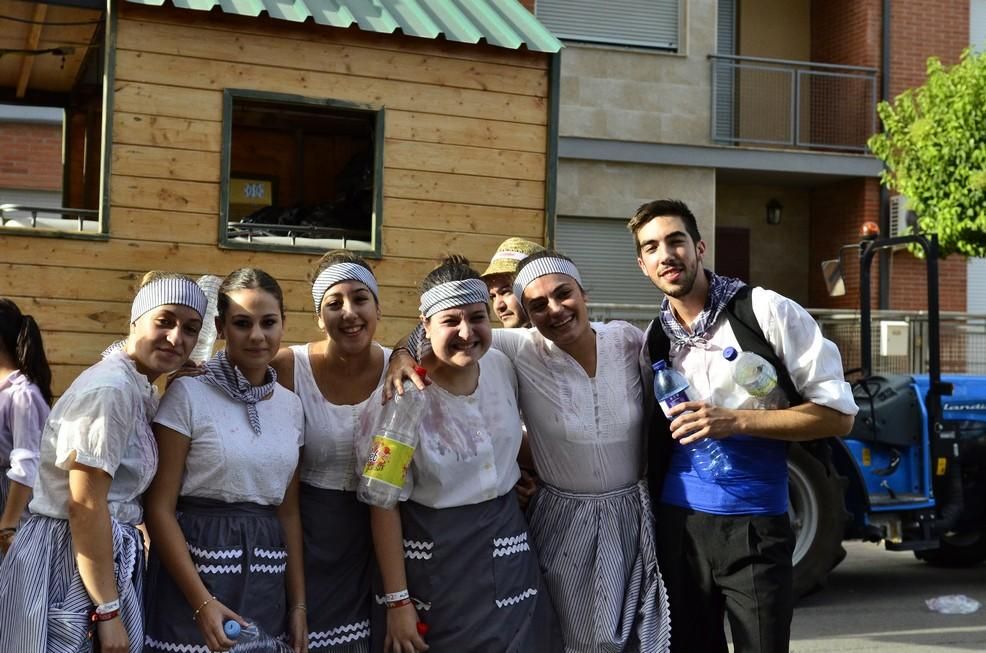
(251, 230)
(963, 336)
(799, 104)
(48, 217)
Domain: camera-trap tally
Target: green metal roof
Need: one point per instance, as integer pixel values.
(503, 23)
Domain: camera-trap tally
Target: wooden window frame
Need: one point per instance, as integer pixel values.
(376, 214)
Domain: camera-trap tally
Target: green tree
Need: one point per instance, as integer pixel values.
(934, 147)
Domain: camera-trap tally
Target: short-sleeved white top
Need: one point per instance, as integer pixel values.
(586, 434)
(329, 458)
(23, 411)
(104, 419)
(227, 461)
(468, 449)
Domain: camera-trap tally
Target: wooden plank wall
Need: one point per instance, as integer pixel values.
(466, 138)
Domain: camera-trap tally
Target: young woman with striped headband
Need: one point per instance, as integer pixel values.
(334, 378)
(222, 511)
(25, 400)
(455, 553)
(76, 566)
(581, 392)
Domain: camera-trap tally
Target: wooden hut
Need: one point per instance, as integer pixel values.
(202, 137)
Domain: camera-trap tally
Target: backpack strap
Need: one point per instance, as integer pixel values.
(749, 335)
(658, 434)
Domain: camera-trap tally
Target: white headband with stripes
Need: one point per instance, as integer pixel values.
(541, 267)
(454, 293)
(162, 292)
(338, 273)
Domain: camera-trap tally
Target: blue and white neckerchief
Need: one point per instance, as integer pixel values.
(721, 291)
(224, 375)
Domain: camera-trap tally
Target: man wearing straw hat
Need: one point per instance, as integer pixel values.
(499, 278)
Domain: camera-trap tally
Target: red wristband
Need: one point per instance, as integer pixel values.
(104, 616)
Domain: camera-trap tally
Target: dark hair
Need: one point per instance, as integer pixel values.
(21, 339)
(453, 267)
(663, 208)
(247, 279)
(338, 256)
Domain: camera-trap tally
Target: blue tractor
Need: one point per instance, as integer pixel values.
(912, 473)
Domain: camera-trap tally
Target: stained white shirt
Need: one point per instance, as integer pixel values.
(227, 461)
(467, 453)
(812, 361)
(104, 419)
(329, 459)
(23, 411)
(585, 433)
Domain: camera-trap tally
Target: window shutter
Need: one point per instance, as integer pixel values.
(977, 25)
(646, 23)
(604, 252)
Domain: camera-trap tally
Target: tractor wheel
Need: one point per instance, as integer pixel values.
(818, 515)
(956, 551)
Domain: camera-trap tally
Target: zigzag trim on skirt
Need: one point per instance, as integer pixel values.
(343, 635)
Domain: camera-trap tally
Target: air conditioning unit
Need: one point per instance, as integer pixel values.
(903, 220)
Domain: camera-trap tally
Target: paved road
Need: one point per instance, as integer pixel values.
(874, 603)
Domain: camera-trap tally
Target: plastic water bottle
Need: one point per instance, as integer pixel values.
(709, 459)
(393, 447)
(754, 374)
(253, 638)
(209, 283)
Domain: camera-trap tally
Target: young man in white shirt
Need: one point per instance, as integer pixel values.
(725, 545)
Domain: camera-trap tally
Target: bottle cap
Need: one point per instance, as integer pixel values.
(729, 353)
(422, 372)
(232, 629)
(659, 365)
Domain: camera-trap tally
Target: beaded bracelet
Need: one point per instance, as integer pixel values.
(195, 615)
(300, 606)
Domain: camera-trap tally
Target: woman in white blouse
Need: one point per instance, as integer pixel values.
(334, 378)
(25, 397)
(76, 566)
(223, 509)
(581, 392)
(455, 553)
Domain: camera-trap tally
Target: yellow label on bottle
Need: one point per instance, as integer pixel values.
(942, 466)
(388, 461)
(867, 457)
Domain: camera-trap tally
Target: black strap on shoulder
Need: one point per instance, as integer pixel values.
(749, 335)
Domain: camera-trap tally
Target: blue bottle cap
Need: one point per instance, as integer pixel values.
(729, 353)
(232, 629)
(659, 365)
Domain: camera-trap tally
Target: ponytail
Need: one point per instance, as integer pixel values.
(31, 357)
(20, 338)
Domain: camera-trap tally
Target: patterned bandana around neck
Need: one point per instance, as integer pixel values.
(721, 290)
(224, 375)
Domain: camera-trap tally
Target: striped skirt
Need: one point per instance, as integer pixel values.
(597, 554)
(338, 564)
(43, 604)
(474, 580)
(239, 552)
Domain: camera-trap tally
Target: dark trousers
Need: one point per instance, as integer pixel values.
(739, 565)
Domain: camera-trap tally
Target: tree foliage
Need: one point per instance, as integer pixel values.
(934, 147)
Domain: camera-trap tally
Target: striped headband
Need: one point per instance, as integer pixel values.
(338, 273)
(541, 267)
(453, 293)
(170, 290)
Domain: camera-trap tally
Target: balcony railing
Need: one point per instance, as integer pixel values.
(49, 217)
(794, 104)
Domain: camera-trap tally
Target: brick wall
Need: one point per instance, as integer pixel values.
(30, 156)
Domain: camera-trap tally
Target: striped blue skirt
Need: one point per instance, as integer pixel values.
(43, 604)
(238, 550)
(598, 558)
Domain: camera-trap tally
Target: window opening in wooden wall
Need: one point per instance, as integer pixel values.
(301, 175)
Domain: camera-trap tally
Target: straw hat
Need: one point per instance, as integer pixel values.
(509, 255)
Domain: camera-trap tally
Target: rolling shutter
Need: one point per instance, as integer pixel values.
(646, 23)
(604, 252)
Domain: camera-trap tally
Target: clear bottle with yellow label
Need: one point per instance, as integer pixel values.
(393, 447)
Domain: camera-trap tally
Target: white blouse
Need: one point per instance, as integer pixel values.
(586, 434)
(468, 449)
(23, 411)
(104, 419)
(329, 459)
(227, 461)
